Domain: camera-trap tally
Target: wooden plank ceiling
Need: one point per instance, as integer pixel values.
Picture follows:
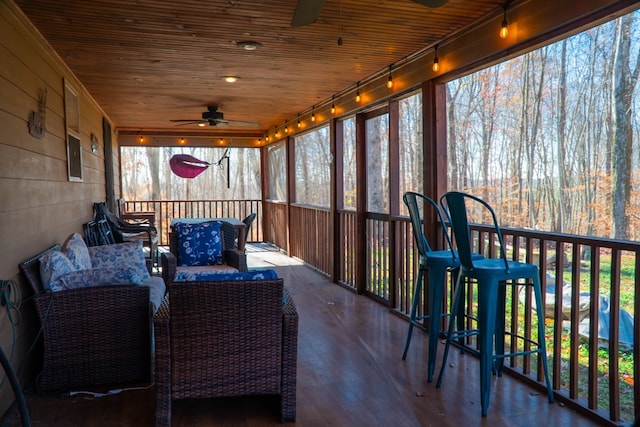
(147, 62)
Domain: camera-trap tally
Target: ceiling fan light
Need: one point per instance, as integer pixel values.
(202, 124)
(230, 79)
(249, 45)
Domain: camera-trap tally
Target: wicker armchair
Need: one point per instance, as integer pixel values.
(94, 335)
(226, 339)
(232, 257)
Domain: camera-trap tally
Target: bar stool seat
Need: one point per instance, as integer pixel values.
(492, 276)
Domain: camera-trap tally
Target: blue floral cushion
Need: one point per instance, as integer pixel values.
(119, 256)
(76, 250)
(201, 275)
(199, 244)
(96, 277)
(53, 265)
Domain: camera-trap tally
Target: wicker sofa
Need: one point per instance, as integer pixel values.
(91, 335)
(226, 338)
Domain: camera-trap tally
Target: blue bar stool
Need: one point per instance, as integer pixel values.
(492, 275)
(438, 263)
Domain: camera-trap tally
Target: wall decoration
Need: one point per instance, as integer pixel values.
(94, 143)
(72, 123)
(36, 123)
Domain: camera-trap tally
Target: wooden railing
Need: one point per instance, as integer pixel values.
(166, 210)
(311, 235)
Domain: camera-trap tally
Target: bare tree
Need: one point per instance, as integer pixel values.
(624, 81)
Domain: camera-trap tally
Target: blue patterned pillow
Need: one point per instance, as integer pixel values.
(53, 265)
(195, 275)
(120, 255)
(96, 277)
(76, 250)
(199, 244)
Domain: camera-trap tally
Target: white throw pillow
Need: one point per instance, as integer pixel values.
(76, 250)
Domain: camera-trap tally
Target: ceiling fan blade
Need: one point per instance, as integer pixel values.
(238, 123)
(186, 120)
(431, 3)
(307, 11)
(192, 123)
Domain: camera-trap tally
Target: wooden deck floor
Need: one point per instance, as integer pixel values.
(350, 373)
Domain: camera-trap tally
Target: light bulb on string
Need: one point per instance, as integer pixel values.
(504, 31)
(390, 79)
(333, 104)
(436, 62)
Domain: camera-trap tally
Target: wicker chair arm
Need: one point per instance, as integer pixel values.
(163, 363)
(289, 357)
(169, 265)
(235, 258)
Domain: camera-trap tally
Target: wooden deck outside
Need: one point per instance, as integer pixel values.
(350, 373)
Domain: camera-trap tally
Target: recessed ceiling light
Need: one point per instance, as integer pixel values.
(249, 45)
(230, 79)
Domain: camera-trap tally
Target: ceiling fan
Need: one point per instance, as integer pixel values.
(213, 117)
(307, 11)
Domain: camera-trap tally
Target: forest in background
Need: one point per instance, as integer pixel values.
(146, 174)
(551, 137)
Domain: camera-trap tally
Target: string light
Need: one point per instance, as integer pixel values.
(333, 104)
(259, 141)
(221, 141)
(277, 133)
(358, 92)
(140, 138)
(504, 31)
(390, 79)
(313, 114)
(436, 63)
(286, 128)
(182, 141)
(299, 124)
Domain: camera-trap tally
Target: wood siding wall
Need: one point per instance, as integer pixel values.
(39, 206)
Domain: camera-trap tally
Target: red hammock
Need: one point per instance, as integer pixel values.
(187, 166)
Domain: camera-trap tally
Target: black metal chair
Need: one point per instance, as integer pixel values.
(248, 221)
(124, 231)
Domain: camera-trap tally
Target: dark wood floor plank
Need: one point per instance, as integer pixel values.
(350, 373)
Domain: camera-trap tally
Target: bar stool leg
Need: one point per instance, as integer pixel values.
(455, 308)
(487, 304)
(436, 294)
(414, 308)
(499, 328)
(542, 346)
